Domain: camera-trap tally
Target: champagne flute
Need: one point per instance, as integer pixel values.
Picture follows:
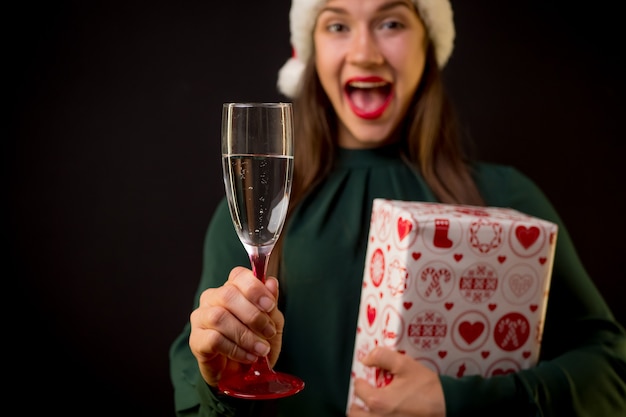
(257, 160)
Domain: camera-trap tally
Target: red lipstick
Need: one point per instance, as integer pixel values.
(369, 96)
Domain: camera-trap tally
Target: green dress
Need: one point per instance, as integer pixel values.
(582, 369)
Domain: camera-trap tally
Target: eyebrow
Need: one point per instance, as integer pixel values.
(396, 3)
(383, 8)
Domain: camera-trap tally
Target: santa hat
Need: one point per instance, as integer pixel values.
(436, 15)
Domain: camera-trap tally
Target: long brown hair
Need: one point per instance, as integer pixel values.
(431, 142)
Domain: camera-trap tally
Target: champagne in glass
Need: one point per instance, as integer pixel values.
(257, 160)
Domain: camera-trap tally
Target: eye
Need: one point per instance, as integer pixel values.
(336, 27)
(391, 24)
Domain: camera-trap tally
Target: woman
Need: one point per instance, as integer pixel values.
(373, 121)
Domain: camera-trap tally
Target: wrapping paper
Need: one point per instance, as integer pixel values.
(461, 289)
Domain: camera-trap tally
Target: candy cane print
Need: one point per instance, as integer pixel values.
(511, 335)
(435, 284)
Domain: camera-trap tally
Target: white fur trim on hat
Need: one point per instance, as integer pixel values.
(436, 15)
(289, 77)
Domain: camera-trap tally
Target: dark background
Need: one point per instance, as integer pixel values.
(113, 171)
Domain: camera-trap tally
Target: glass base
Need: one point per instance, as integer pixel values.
(261, 386)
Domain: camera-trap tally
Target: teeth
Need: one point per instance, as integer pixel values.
(366, 84)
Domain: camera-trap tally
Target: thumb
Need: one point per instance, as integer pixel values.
(384, 358)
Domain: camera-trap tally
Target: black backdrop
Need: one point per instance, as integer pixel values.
(112, 164)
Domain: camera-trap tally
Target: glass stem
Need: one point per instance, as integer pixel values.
(259, 256)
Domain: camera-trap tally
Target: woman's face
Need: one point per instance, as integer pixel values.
(369, 56)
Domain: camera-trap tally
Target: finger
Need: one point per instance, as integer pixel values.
(376, 400)
(217, 330)
(275, 315)
(253, 288)
(372, 398)
(272, 284)
(235, 296)
(384, 358)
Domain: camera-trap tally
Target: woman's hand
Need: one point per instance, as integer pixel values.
(413, 390)
(236, 323)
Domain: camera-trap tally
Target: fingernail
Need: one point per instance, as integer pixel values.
(266, 304)
(261, 348)
(269, 330)
(250, 357)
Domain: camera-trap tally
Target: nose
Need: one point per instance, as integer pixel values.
(364, 49)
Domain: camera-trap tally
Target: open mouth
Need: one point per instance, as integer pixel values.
(369, 98)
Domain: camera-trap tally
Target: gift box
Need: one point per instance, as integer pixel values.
(462, 289)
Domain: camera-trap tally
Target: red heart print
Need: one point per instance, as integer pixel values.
(500, 371)
(407, 304)
(416, 255)
(484, 354)
(492, 307)
(526, 354)
(471, 331)
(448, 306)
(501, 259)
(533, 307)
(404, 227)
(458, 256)
(542, 260)
(442, 353)
(371, 314)
(527, 235)
(520, 284)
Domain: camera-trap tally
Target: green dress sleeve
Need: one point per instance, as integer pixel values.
(582, 367)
